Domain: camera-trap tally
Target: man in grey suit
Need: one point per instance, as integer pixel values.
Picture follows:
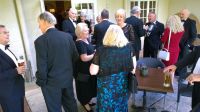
(55, 55)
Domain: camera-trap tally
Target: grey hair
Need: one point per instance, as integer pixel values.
(135, 9)
(48, 17)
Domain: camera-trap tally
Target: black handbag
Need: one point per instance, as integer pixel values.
(132, 83)
(82, 77)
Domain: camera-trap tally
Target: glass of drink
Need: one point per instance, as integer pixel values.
(21, 61)
(167, 79)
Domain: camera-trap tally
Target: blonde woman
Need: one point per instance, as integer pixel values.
(128, 30)
(85, 83)
(111, 64)
(175, 26)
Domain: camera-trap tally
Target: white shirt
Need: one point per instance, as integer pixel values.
(197, 67)
(72, 22)
(2, 47)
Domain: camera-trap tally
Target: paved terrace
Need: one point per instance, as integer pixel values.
(36, 101)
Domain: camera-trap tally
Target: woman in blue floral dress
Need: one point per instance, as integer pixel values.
(111, 64)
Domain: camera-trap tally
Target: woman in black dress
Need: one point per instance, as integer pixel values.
(85, 83)
(128, 30)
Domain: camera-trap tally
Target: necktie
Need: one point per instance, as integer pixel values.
(7, 46)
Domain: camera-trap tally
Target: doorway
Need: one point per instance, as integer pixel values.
(59, 9)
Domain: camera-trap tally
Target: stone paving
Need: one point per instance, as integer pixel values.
(37, 104)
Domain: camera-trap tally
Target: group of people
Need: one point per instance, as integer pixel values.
(99, 71)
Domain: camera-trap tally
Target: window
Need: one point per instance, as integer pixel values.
(87, 8)
(146, 7)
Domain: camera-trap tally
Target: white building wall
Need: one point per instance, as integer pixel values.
(20, 18)
(193, 5)
(8, 18)
(111, 6)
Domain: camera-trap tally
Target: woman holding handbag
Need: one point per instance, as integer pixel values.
(171, 41)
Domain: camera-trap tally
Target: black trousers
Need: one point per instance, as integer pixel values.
(56, 97)
(196, 94)
(13, 104)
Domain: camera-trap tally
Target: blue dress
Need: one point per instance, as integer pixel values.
(112, 79)
(112, 93)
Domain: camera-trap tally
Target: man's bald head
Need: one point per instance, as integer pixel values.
(184, 14)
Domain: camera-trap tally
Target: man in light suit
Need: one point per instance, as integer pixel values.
(69, 24)
(138, 28)
(101, 28)
(152, 41)
(11, 81)
(55, 56)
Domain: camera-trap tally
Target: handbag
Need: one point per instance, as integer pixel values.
(164, 54)
(82, 77)
(132, 83)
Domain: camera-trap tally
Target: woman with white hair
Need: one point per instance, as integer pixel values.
(112, 63)
(128, 30)
(85, 83)
(175, 27)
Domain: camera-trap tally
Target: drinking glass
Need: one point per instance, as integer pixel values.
(167, 79)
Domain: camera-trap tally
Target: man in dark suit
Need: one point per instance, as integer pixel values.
(190, 33)
(55, 55)
(69, 24)
(11, 80)
(138, 28)
(101, 28)
(194, 77)
(152, 41)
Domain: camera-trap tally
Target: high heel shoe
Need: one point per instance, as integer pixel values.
(86, 109)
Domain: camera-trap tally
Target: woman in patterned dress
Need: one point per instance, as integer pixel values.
(111, 64)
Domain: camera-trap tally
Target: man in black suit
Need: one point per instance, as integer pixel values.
(194, 77)
(55, 55)
(188, 37)
(138, 28)
(101, 28)
(69, 24)
(11, 80)
(152, 41)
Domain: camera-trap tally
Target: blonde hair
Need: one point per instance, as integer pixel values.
(115, 37)
(79, 29)
(121, 12)
(174, 23)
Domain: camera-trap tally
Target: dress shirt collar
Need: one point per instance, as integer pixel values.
(71, 19)
(2, 47)
(104, 19)
(49, 28)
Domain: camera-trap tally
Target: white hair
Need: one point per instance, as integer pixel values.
(48, 17)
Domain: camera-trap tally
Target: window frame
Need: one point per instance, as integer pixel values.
(150, 5)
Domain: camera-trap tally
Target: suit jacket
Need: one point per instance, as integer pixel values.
(154, 38)
(99, 32)
(11, 83)
(55, 55)
(190, 33)
(189, 59)
(138, 30)
(68, 27)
